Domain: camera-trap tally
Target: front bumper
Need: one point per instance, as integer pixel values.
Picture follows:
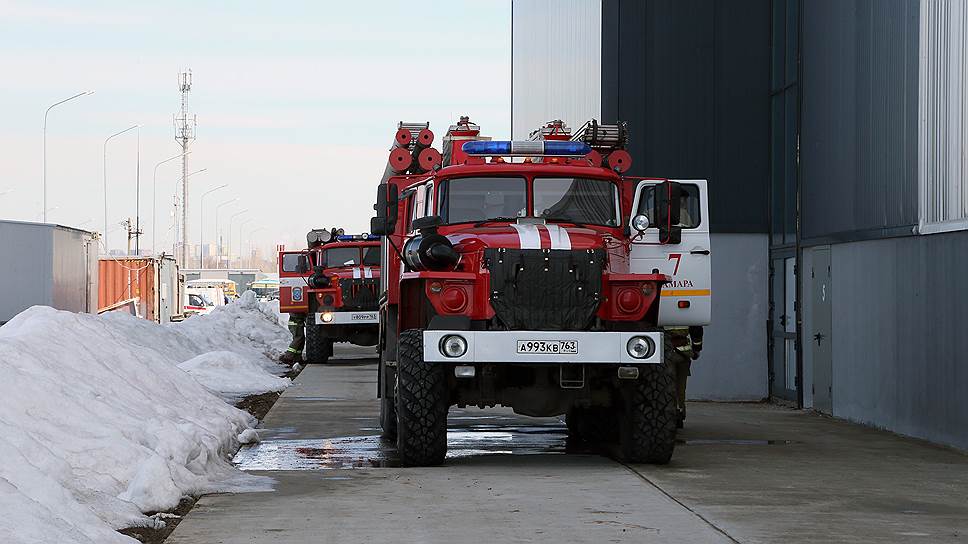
(502, 347)
(349, 318)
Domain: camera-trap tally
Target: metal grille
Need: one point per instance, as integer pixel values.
(359, 294)
(538, 289)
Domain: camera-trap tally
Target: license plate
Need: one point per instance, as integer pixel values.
(564, 347)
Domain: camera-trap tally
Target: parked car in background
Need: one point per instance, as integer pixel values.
(197, 302)
(266, 289)
(201, 297)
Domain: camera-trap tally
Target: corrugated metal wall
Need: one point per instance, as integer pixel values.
(556, 63)
(943, 85)
(900, 354)
(74, 273)
(733, 363)
(858, 140)
(692, 79)
(25, 265)
(42, 264)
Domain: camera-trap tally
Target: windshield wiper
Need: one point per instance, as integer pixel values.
(495, 219)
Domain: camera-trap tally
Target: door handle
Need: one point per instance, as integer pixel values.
(699, 252)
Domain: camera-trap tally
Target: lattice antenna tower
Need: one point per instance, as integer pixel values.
(185, 123)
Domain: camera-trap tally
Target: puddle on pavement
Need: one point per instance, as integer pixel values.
(731, 442)
(473, 436)
(371, 451)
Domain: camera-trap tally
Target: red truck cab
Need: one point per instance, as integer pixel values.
(335, 283)
(509, 281)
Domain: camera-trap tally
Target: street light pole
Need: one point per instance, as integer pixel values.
(104, 172)
(154, 201)
(175, 204)
(218, 242)
(201, 223)
(236, 214)
(241, 225)
(78, 95)
(251, 232)
(137, 200)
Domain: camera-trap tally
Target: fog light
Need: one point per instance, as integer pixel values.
(640, 347)
(453, 346)
(628, 373)
(464, 371)
(327, 317)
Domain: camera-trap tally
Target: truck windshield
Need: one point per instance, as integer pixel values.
(465, 200)
(576, 200)
(342, 256)
(371, 256)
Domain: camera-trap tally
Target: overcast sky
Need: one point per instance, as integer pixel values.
(296, 104)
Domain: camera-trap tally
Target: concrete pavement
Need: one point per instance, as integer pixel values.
(743, 473)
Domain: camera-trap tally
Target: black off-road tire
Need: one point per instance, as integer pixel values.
(422, 403)
(388, 406)
(649, 416)
(319, 348)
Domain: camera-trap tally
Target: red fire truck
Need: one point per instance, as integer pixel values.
(529, 274)
(334, 284)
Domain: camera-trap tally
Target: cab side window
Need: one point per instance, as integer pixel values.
(417, 202)
(290, 262)
(688, 205)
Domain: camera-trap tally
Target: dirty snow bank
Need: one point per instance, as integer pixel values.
(230, 376)
(98, 423)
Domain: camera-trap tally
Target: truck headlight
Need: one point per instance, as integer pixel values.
(640, 347)
(453, 346)
(327, 317)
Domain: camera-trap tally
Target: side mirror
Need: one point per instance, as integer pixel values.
(386, 210)
(667, 208)
(302, 264)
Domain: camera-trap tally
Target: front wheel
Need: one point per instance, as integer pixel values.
(649, 416)
(388, 403)
(421, 403)
(319, 348)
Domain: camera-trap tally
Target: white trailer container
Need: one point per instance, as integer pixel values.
(46, 264)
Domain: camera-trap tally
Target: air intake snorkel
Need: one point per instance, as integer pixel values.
(429, 250)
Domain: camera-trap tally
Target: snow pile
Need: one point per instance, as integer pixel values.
(98, 423)
(230, 376)
(252, 325)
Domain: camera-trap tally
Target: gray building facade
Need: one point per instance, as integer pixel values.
(834, 134)
(669, 69)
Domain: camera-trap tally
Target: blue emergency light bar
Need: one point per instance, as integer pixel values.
(351, 237)
(527, 148)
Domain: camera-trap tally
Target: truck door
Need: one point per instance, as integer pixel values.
(687, 299)
(293, 282)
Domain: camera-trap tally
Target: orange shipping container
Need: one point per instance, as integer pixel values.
(149, 283)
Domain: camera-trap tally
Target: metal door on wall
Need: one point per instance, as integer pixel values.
(821, 329)
(783, 328)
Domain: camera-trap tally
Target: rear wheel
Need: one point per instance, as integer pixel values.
(421, 404)
(319, 348)
(649, 416)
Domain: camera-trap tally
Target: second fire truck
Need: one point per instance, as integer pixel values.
(334, 284)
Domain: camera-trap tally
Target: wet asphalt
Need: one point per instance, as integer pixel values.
(741, 473)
